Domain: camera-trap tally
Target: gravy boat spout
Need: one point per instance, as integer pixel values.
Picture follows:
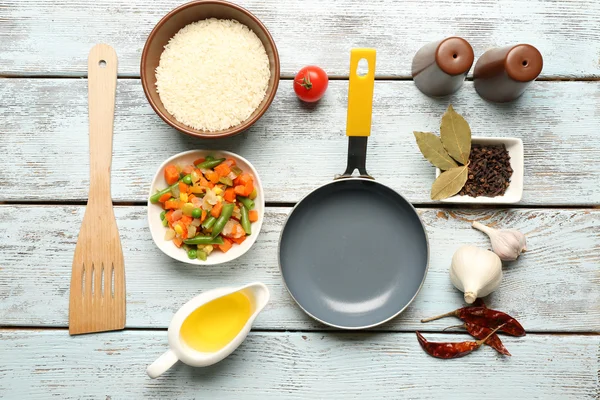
(258, 297)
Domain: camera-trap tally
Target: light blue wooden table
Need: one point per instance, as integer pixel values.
(554, 289)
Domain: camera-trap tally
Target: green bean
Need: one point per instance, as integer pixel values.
(204, 240)
(209, 222)
(162, 215)
(201, 255)
(154, 198)
(249, 204)
(209, 158)
(187, 179)
(197, 213)
(222, 220)
(192, 254)
(226, 181)
(245, 220)
(208, 164)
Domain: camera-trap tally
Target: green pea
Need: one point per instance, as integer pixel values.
(165, 222)
(187, 180)
(192, 253)
(162, 215)
(197, 213)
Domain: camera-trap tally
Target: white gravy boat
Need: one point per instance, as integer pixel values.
(257, 293)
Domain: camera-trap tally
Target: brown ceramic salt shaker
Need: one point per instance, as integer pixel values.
(503, 74)
(440, 68)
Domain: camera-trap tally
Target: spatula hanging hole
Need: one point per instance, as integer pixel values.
(93, 278)
(363, 67)
(102, 64)
(83, 281)
(112, 280)
(102, 281)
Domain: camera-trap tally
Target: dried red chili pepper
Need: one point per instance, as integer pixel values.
(485, 317)
(449, 349)
(480, 332)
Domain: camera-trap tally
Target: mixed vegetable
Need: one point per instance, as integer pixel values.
(208, 205)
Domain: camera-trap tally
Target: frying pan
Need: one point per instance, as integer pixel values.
(354, 253)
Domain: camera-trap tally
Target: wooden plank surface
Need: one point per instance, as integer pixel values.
(552, 288)
(296, 148)
(41, 37)
(44, 364)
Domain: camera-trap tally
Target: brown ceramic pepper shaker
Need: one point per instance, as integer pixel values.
(504, 73)
(440, 68)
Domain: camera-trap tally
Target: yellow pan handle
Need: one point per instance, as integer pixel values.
(360, 94)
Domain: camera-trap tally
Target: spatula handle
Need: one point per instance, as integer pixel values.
(102, 86)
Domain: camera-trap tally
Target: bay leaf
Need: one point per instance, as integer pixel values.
(455, 133)
(432, 148)
(449, 183)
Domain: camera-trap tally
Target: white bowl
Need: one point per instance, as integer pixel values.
(158, 230)
(514, 192)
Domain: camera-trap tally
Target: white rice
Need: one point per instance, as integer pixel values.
(213, 74)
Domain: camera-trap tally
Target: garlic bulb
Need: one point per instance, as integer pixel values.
(508, 244)
(475, 271)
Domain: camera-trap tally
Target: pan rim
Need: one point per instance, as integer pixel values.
(376, 323)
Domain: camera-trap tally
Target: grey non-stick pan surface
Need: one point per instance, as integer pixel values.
(354, 253)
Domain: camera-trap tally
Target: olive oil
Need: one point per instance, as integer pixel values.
(213, 325)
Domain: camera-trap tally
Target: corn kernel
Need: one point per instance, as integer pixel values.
(183, 197)
(220, 198)
(178, 229)
(218, 190)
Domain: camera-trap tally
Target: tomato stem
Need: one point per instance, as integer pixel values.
(305, 83)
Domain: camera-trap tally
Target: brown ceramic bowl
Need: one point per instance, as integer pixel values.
(183, 15)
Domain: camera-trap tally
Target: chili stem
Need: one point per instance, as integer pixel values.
(448, 314)
(482, 341)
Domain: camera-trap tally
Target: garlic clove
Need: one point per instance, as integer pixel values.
(508, 244)
(475, 271)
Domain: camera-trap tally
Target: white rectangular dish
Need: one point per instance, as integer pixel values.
(514, 193)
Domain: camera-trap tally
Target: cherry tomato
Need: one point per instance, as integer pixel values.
(310, 83)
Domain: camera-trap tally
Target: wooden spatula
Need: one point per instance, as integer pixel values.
(97, 298)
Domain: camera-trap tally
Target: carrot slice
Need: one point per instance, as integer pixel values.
(213, 177)
(199, 161)
(243, 179)
(169, 215)
(172, 204)
(171, 174)
(164, 197)
(229, 195)
(240, 190)
(222, 169)
(249, 186)
(186, 220)
(183, 188)
(178, 241)
(238, 240)
(204, 215)
(216, 210)
(253, 215)
(226, 245)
